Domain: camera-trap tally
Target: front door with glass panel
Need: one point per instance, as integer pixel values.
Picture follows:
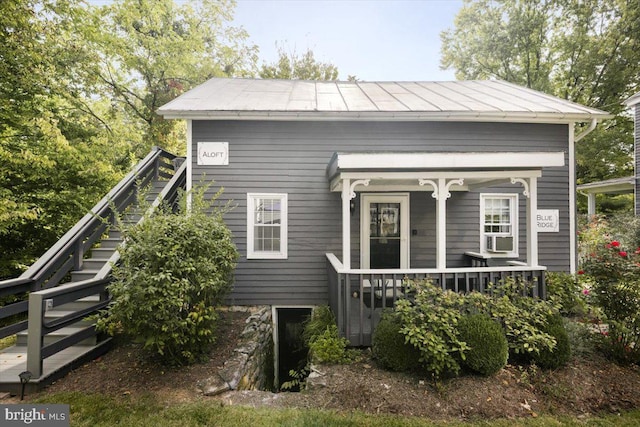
(384, 231)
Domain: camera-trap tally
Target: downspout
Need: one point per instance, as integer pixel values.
(573, 230)
(189, 161)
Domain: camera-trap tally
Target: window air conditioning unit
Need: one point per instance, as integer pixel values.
(499, 244)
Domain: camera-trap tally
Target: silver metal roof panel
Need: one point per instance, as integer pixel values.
(489, 100)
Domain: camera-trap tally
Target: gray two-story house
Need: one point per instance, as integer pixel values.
(345, 189)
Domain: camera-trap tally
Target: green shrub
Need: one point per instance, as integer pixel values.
(329, 347)
(488, 348)
(522, 317)
(567, 291)
(321, 317)
(561, 353)
(615, 271)
(173, 272)
(323, 339)
(389, 346)
(429, 323)
(581, 339)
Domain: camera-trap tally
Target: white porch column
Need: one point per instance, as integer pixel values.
(441, 225)
(346, 223)
(532, 232)
(591, 204)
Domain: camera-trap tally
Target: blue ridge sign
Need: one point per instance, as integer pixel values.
(548, 221)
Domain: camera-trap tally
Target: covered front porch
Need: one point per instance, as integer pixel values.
(400, 222)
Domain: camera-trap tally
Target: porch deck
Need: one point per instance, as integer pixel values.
(358, 296)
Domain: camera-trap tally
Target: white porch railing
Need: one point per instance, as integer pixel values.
(358, 296)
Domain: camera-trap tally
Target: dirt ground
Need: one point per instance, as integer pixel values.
(581, 388)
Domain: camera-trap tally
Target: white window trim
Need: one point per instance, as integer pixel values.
(514, 225)
(253, 254)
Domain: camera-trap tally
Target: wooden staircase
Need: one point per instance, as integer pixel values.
(61, 331)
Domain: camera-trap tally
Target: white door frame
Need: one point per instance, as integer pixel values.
(365, 221)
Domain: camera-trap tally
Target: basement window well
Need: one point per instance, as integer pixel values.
(290, 350)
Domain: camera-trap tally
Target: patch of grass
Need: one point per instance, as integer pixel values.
(7, 341)
(99, 410)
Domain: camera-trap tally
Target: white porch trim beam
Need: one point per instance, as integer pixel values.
(388, 178)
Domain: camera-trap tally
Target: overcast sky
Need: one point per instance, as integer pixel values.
(371, 39)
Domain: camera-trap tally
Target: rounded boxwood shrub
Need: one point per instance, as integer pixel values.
(489, 349)
(389, 346)
(561, 353)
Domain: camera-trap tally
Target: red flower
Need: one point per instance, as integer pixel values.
(608, 246)
(615, 244)
(580, 271)
(622, 254)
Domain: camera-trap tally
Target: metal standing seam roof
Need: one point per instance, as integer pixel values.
(487, 100)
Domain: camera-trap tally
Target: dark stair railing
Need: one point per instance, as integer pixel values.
(42, 279)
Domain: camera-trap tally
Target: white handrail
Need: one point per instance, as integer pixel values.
(337, 265)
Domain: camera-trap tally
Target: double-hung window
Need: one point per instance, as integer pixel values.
(266, 226)
(499, 224)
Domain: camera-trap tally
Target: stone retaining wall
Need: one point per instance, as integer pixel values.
(251, 366)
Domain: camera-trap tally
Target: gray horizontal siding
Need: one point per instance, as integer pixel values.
(291, 157)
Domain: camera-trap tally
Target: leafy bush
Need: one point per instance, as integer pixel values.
(522, 317)
(620, 303)
(323, 339)
(174, 270)
(615, 272)
(561, 353)
(389, 345)
(581, 339)
(488, 348)
(567, 292)
(429, 323)
(321, 318)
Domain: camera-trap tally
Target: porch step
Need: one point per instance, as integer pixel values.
(93, 264)
(58, 314)
(115, 233)
(110, 242)
(13, 360)
(79, 304)
(78, 276)
(102, 253)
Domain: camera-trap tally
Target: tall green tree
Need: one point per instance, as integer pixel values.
(52, 166)
(150, 51)
(586, 51)
(293, 66)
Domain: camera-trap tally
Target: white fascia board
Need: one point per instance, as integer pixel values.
(495, 160)
(455, 116)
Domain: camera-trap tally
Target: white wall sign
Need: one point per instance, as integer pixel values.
(548, 220)
(213, 153)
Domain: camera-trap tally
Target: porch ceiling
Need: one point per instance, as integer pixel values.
(403, 171)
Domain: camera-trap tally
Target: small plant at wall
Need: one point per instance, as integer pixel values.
(174, 271)
(323, 339)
